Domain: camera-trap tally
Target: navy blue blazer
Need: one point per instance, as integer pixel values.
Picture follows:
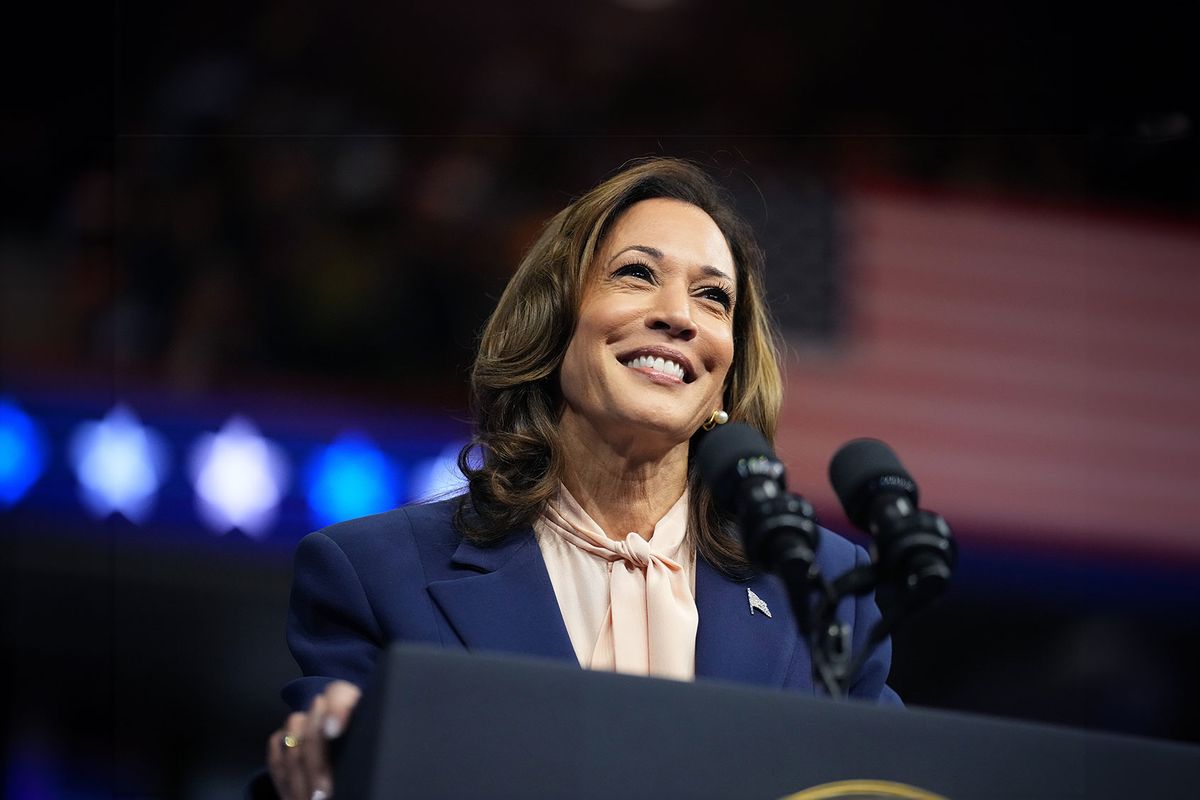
(408, 575)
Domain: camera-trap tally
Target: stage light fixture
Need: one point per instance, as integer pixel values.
(351, 478)
(22, 453)
(119, 463)
(239, 477)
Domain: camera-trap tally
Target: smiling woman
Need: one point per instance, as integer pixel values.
(634, 245)
(634, 323)
(654, 340)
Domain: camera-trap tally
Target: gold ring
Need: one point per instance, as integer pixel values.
(291, 741)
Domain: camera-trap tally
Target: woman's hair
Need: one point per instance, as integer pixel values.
(515, 394)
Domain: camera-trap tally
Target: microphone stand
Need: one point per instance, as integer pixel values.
(831, 640)
(828, 639)
(914, 557)
(780, 528)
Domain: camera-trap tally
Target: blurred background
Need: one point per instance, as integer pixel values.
(245, 252)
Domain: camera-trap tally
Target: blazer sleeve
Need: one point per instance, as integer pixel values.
(871, 681)
(332, 630)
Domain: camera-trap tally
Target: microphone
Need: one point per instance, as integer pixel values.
(747, 482)
(911, 547)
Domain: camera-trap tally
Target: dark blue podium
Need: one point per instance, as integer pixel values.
(438, 724)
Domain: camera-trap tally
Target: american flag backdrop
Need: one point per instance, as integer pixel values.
(1036, 369)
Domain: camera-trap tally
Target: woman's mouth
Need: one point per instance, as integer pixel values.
(663, 366)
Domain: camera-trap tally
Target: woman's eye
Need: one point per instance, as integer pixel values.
(636, 271)
(717, 294)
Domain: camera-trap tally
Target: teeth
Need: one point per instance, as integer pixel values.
(665, 366)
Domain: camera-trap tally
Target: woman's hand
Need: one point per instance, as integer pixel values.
(298, 753)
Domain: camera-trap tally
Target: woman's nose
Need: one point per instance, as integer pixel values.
(672, 312)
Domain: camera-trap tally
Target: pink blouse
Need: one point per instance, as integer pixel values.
(629, 606)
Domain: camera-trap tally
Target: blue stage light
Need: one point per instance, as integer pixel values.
(22, 453)
(240, 478)
(350, 478)
(120, 465)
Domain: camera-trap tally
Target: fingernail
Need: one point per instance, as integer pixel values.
(332, 728)
(319, 794)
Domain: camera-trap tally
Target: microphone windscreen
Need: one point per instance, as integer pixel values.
(861, 470)
(718, 455)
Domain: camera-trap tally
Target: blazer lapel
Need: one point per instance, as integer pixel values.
(733, 643)
(507, 604)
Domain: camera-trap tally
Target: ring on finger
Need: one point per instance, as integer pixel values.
(291, 740)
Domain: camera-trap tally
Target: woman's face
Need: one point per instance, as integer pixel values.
(654, 341)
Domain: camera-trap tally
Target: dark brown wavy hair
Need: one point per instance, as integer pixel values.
(515, 394)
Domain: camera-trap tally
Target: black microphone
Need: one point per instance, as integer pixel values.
(747, 482)
(911, 547)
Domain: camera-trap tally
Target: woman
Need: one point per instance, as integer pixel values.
(635, 322)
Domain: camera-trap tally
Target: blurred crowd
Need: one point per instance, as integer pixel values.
(302, 191)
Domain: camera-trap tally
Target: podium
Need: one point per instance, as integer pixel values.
(441, 724)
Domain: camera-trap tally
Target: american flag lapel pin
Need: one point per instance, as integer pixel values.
(757, 602)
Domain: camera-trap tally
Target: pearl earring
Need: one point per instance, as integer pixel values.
(719, 417)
